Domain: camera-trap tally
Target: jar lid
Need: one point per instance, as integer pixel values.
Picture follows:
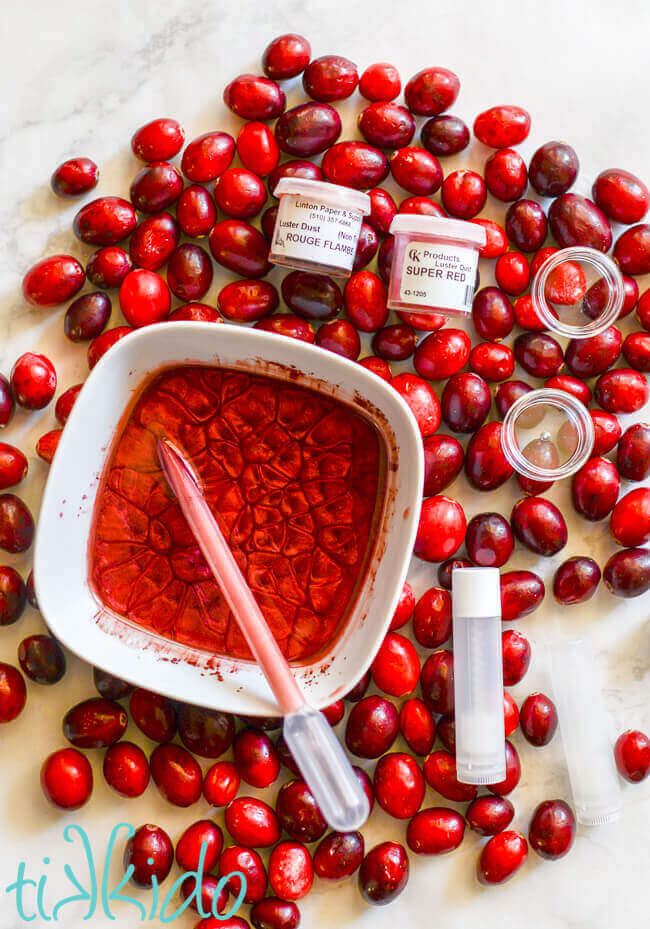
(578, 292)
(416, 223)
(547, 434)
(345, 198)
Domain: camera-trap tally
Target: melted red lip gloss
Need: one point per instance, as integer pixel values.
(295, 478)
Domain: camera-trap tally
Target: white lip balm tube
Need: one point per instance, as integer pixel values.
(478, 676)
(586, 738)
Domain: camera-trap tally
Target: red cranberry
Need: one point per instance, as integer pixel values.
(341, 337)
(492, 314)
(209, 893)
(538, 354)
(372, 727)
(417, 726)
(440, 772)
(502, 126)
(505, 173)
(313, 296)
(366, 785)
(570, 385)
(443, 461)
(298, 812)
(382, 210)
(508, 393)
(330, 78)
(221, 783)
(67, 778)
(13, 466)
(513, 773)
(105, 221)
(108, 267)
(112, 688)
(404, 608)
(248, 862)
(575, 220)
(207, 733)
(632, 250)
(367, 246)
(380, 81)
(431, 91)
(158, 140)
(33, 381)
(595, 488)
(466, 401)
(512, 273)
(95, 723)
(16, 524)
(608, 432)
(441, 529)
(595, 300)
(355, 164)
(539, 525)
(521, 594)
(446, 732)
(510, 714)
(239, 193)
(421, 400)
(516, 656)
(399, 785)
(593, 356)
(486, 466)
(442, 354)
(41, 658)
(636, 350)
(464, 194)
(396, 667)
(435, 831)
(273, 913)
(633, 454)
(502, 857)
(208, 156)
(385, 258)
(176, 774)
(492, 361)
(53, 280)
(156, 187)
(13, 596)
(218, 922)
(151, 854)
(257, 148)
(552, 829)
(334, 713)
(74, 177)
(394, 343)
(253, 97)
(256, 760)
(526, 225)
(553, 169)
(621, 391)
(202, 834)
(6, 402)
(432, 618)
(288, 325)
(621, 196)
(445, 135)
(421, 206)
(386, 125)
(416, 170)
(240, 247)
(496, 241)
(246, 301)
(144, 298)
(13, 693)
(153, 714)
(291, 873)
(126, 769)
(446, 568)
(195, 312)
(489, 815)
(538, 719)
(576, 580)
(195, 211)
(339, 855)
(189, 272)
(306, 130)
(286, 56)
(489, 540)
(267, 222)
(632, 755)
(87, 316)
(627, 573)
(630, 519)
(384, 873)
(437, 682)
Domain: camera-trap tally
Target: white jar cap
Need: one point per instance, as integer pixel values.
(417, 224)
(475, 592)
(345, 198)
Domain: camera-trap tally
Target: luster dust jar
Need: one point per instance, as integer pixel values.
(317, 226)
(435, 263)
(578, 292)
(547, 435)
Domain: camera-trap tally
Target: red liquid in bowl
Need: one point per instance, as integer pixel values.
(295, 478)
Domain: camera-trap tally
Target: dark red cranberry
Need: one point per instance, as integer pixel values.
(432, 618)
(384, 873)
(13, 595)
(443, 461)
(445, 135)
(538, 354)
(596, 298)
(386, 125)
(240, 247)
(380, 81)
(627, 573)
(255, 758)
(288, 325)
(621, 196)
(437, 681)
(633, 453)
(253, 97)
(207, 156)
(87, 316)
(108, 267)
(74, 177)
(521, 594)
(247, 301)
(575, 220)
(341, 337)
(416, 170)
(247, 862)
(330, 78)
(538, 719)
(286, 56)
(95, 723)
(153, 714)
(593, 356)
(313, 296)
(486, 466)
(502, 857)
(621, 391)
(112, 688)
(570, 385)
(66, 776)
(632, 755)
(189, 272)
(372, 727)
(576, 580)
(526, 225)
(306, 130)
(502, 126)
(394, 343)
(273, 913)
(13, 466)
(505, 173)
(339, 855)
(489, 815)
(295, 168)
(446, 568)
(508, 393)
(492, 314)
(16, 524)
(539, 525)
(176, 774)
(513, 773)
(6, 402)
(299, 813)
(155, 187)
(632, 250)
(431, 91)
(195, 211)
(355, 164)
(207, 733)
(553, 169)
(489, 540)
(151, 854)
(41, 658)
(126, 769)
(552, 829)
(385, 258)
(465, 402)
(367, 246)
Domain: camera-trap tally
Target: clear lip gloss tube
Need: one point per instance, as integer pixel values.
(478, 676)
(585, 738)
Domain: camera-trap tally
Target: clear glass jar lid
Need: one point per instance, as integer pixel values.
(547, 435)
(578, 292)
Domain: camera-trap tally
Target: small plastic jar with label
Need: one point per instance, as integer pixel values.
(435, 263)
(317, 226)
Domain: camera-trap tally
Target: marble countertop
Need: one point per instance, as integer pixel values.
(78, 79)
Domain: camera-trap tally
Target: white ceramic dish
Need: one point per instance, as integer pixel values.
(85, 626)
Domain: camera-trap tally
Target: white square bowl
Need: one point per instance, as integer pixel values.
(98, 635)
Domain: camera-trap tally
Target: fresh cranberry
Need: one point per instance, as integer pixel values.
(576, 220)
(246, 861)
(257, 149)
(440, 773)
(339, 855)
(291, 872)
(382, 210)
(74, 177)
(423, 322)
(66, 778)
(153, 240)
(126, 769)
(596, 298)
(447, 567)
(404, 608)
(643, 309)
(513, 773)
(378, 366)
(489, 815)
(595, 488)
(247, 301)
(399, 785)
(486, 466)
(240, 247)
(87, 316)
(189, 272)
(29, 590)
(384, 873)
(435, 831)
(289, 326)
(539, 525)
(416, 170)
(632, 755)
(632, 250)
(158, 140)
(95, 723)
(195, 312)
(552, 829)
(365, 301)
(621, 196)
(380, 81)
(538, 719)
(386, 125)
(421, 206)
(40, 657)
(13, 466)
(633, 453)
(195, 211)
(153, 714)
(417, 726)
(446, 732)
(394, 343)
(176, 774)
(607, 434)
(442, 354)
(203, 834)
(6, 402)
(304, 131)
(508, 393)
(33, 381)
(489, 540)
(501, 857)
(209, 893)
(208, 156)
(396, 668)
(330, 78)
(570, 385)
(443, 461)
(441, 529)
(112, 688)
(636, 350)
(510, 714)
(254, 98)
(630, 519)
(207, 733)
(431, 91)
(492, 361)
(421, 400)
(385, 258)
(538, 354)
(445, 135)
(108, 267)
(286, 56)
(512, 273)
(16, 524)
(437, 682)
(432, 618)
(621, 391)
(464, 194)
(355, 164)
(53, 280)
(593, 356)
(521, 594)
(367, 245)
(627, 573)
(465, 403)
(13, 596)
(553, 169)
(256, 760)
(492, 314)
(221, 783)
(334, 713)
(151, 855)
(144, 298)
(516, 653)
(526, 225)
(505, 173)
(48, 444)
(273, 913)
(155, 187)
(341, 337)
(365, 784)
(576, 580)
(502, 126)
(105, 221)
(218, 922)
(496, 240)
(298, 812)
(239, 193)
(372, 727)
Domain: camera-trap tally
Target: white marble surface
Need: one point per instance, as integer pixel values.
(78, 79)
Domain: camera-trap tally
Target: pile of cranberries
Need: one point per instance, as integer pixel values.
(148, 260)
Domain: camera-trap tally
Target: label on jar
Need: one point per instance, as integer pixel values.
(439, 274)
(311, 231)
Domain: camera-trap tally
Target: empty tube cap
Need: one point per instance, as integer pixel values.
(475, 592)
